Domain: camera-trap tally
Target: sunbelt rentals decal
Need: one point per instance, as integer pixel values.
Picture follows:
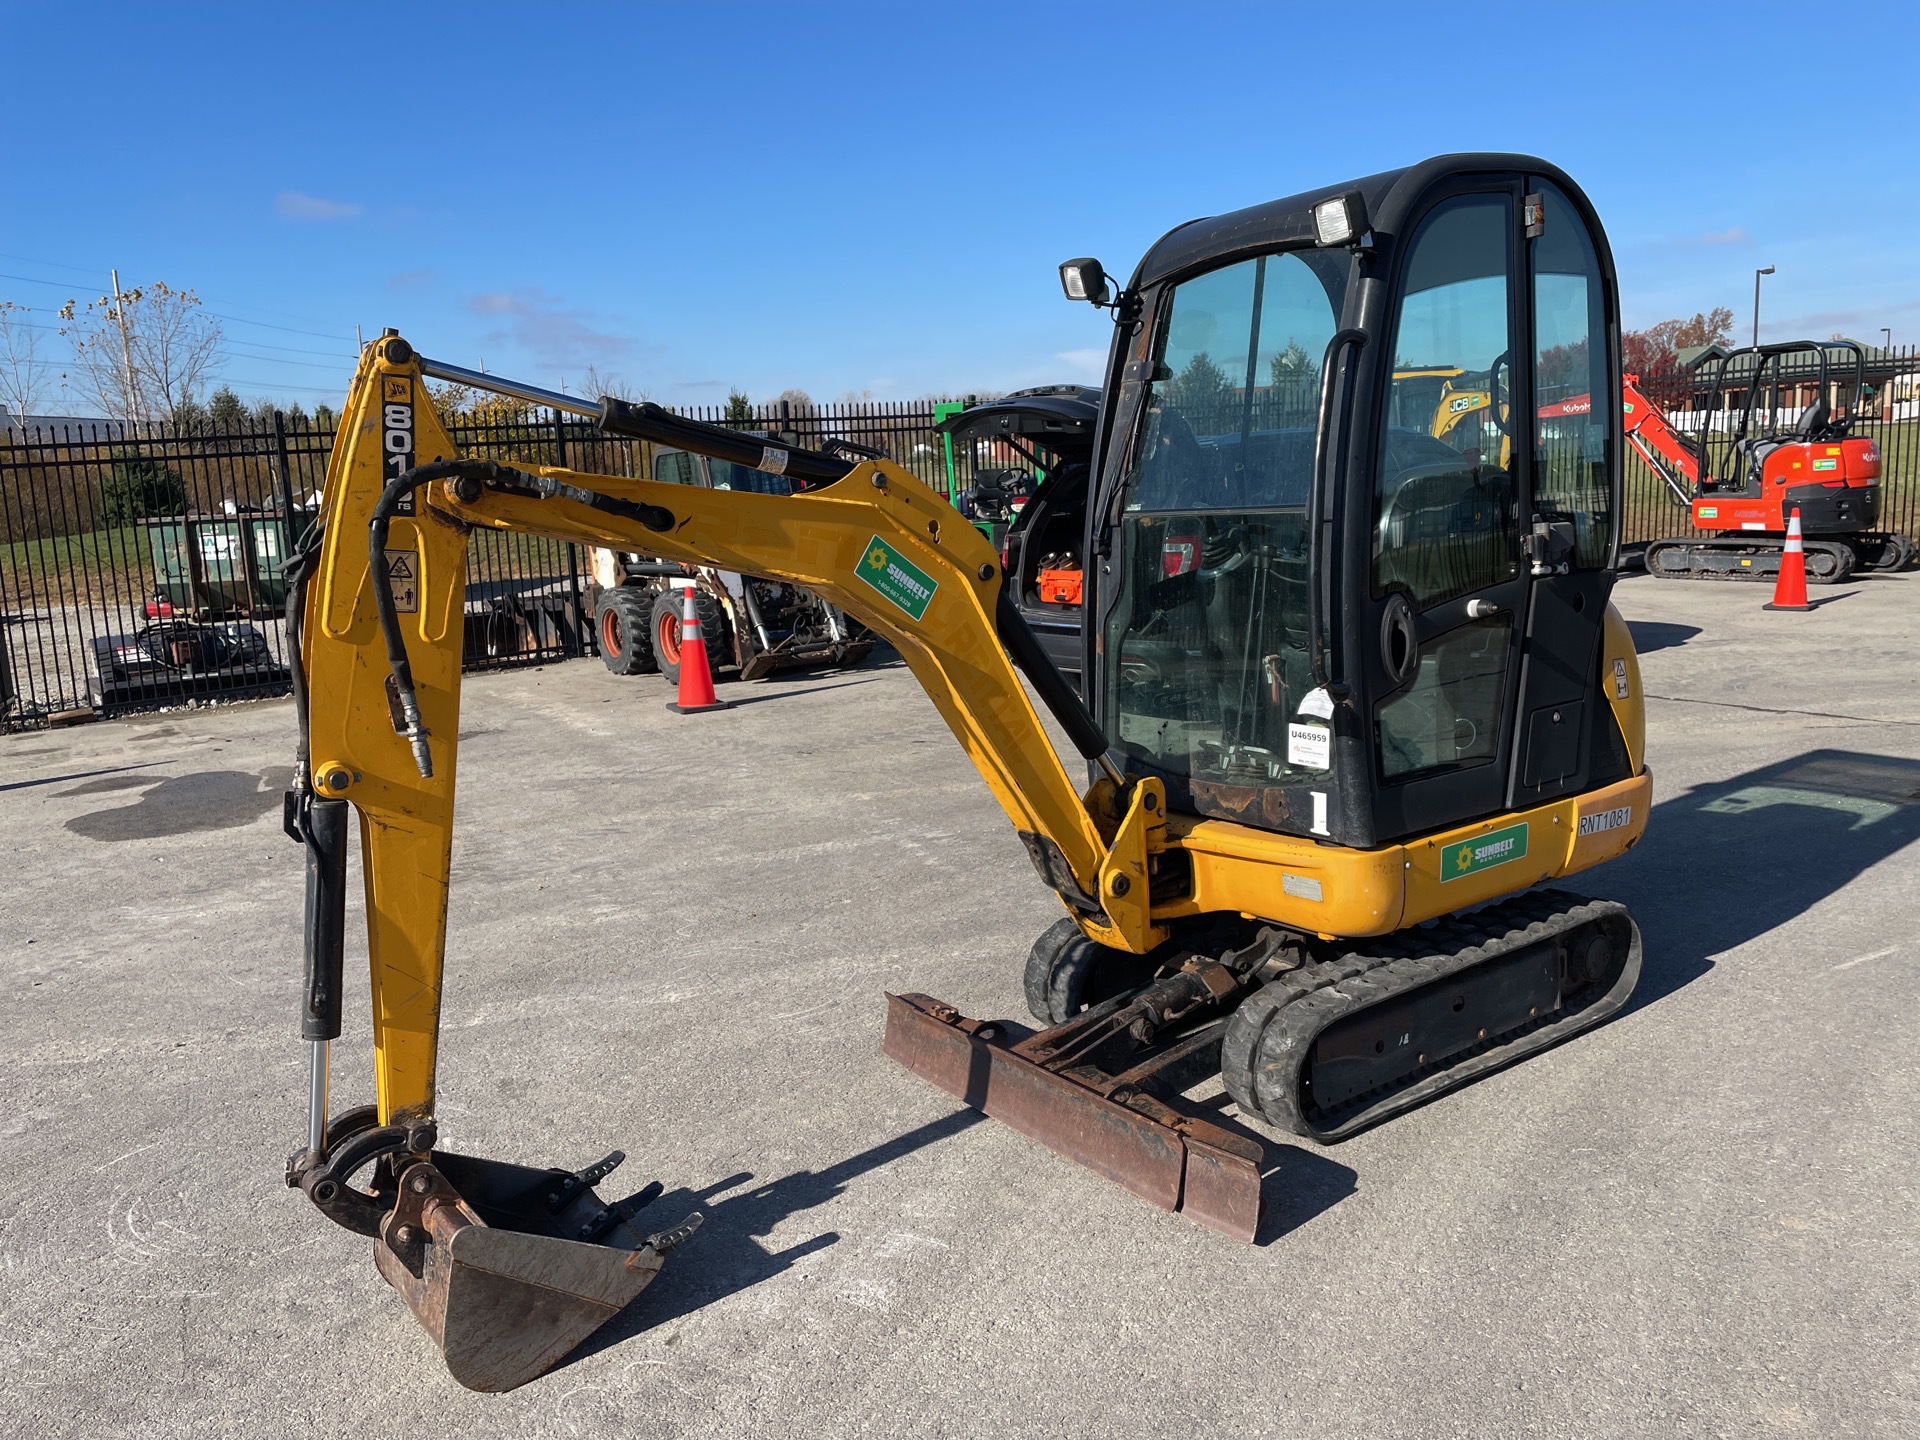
(901, 583)
(1467, 857)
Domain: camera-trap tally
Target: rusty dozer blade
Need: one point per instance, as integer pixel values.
(509, 1268)
(1104, 1122)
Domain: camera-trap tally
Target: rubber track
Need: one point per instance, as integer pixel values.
(1270, 1039)
(1842, 554)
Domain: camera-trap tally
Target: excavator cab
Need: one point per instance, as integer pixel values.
(1309, 615)
(1352, 698)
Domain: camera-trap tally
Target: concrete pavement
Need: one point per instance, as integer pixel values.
(671, 936)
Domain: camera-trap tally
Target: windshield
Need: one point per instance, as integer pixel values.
(1209, 626)
(729, 476)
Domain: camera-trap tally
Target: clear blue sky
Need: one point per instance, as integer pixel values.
(842, 197)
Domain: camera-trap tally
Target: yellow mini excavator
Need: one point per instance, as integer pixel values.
(1351, 698)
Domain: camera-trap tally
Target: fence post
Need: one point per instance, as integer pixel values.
(582, 624)
(284, 469)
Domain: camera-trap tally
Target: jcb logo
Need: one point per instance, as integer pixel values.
(396, 433)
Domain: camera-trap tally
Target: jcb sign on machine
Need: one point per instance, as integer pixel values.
(1382, 688)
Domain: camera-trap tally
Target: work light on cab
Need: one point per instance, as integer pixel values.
(1340, 220)
(1085, 279)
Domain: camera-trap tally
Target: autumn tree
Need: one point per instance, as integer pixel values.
(1657, 347)
(143, 354)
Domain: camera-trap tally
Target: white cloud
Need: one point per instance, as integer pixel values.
(539, 323)
(1733, 235)
(1092, 364)
(292, 205)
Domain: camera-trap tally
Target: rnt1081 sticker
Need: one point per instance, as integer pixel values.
(1606, 820)
(396, 433)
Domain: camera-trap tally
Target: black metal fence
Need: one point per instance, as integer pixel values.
(140, 566)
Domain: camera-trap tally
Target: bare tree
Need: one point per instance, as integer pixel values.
(143, 354)
(800, 402)
(23, 383)
(596, 386)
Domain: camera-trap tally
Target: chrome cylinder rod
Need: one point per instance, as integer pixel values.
(317, 1097)
(499, 385)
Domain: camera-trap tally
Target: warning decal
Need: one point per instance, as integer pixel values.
(403, 580)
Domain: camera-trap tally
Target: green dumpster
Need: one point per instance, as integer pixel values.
(219, 566)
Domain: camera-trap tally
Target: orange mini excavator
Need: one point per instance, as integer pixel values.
(1746, 469)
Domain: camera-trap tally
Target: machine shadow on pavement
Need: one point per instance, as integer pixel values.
(1725, 863)
(725, 1257)
(1652, 635)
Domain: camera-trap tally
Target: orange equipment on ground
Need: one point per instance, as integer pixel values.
(1790, 590)
(696, 678)
(1746, 466)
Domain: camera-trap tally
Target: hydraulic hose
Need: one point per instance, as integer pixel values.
(469, 478)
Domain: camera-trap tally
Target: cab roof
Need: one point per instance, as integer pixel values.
(1201, 244)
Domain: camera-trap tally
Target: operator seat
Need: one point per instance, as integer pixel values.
(1813, 421)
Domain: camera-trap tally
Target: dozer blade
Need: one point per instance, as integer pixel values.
(492, 1261)
(1168, 1159)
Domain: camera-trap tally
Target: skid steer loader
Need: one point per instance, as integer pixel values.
(1353, 698)
(751, 625)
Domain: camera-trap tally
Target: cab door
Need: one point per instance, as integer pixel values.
(1566, 738)
(1447, 594)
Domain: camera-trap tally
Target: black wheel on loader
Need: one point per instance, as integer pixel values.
(1068, 973)
(667, 606)
(622, 618)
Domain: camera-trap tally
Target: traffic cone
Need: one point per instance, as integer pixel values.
(1790, 590)
(696, 680)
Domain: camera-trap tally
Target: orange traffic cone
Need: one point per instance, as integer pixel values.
(1790, 590)
(696, 680)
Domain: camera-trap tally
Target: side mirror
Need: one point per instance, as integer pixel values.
(1084, 279)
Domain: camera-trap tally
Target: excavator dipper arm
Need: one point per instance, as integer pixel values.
(377, 615)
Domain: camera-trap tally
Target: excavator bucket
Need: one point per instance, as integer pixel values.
(510, 1268)
(1108, 1123)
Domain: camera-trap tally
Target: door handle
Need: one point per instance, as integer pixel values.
(1478, 609)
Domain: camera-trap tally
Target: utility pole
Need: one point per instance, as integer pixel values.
(126, 347)
(1756, 302)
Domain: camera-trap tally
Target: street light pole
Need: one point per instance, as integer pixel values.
(1756, 302)
(1886, 337)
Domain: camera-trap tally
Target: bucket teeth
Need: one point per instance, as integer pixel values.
(495, 1276)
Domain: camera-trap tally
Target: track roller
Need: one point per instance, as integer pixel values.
(1332, 1048)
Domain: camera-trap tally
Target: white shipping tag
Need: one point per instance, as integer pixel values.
(1318, 702)
(773, 461)
(1311, 746)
